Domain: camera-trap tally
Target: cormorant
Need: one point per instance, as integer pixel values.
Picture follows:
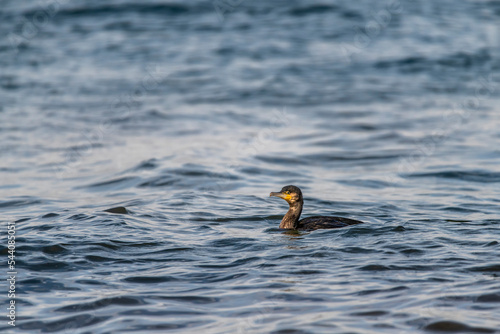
(293, 196)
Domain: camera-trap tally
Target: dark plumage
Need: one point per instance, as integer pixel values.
(293, 196)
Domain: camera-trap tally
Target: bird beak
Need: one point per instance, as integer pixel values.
(273, 194)
(280, 195)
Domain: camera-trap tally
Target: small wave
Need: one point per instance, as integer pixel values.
(233, 264)
(150, 279)
(160, 313)
(81, 217)
(44, 285)
(50, 215)
(21, 202)
(50, 265)
(189, 299)
(101, 303)
(455, 327)
(120, 9)
(54, 249)
(312, 9)
(353, 157)
(377, 291)
(376, 313)
(234, 243)
(114, 184)
(374, 267)
(479, 176)
(415, 64)
(374, 184)
(118, 210)
(493, 268)
(97, 258)
(489, 298)
(282, 160)
(159, 181)
(73, 322)
(147, 165)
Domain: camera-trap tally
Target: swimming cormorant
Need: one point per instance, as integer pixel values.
(293, 196)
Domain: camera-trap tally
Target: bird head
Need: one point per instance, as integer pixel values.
(291, 194)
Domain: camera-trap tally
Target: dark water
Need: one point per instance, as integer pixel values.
(189, 114)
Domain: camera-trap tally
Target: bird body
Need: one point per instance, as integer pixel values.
(293, 195)
(319, 222)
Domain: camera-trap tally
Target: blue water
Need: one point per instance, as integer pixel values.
(189, 113)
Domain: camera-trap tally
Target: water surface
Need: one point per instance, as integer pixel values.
(188, 119)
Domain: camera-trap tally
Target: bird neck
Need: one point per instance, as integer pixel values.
(291, 219)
